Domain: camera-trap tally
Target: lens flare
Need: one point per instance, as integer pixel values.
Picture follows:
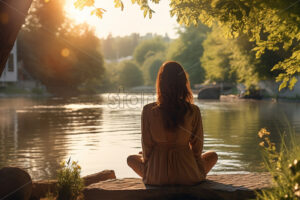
(65, 52)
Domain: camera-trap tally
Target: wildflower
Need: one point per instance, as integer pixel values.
(297, 190)
(272, 146)
(262, 144)
(69, 182)
(295, 162)
(263, 132)
(62, 163)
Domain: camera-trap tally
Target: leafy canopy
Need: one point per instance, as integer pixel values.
(270, 24)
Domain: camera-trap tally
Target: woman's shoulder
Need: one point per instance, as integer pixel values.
(149, 106)
(195, 110)
(194, 107)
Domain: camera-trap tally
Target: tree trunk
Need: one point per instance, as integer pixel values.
(12, 16)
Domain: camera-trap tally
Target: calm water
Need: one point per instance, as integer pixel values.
(100, 131)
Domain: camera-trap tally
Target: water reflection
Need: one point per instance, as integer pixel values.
(100, 131)
(232, 130)
(38, 134)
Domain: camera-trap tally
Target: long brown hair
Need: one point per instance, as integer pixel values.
(174, 95)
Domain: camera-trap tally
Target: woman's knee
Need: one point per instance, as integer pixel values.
(136, 163)
(211, 156)
(133, 160)
(214, 156)
(130, 160)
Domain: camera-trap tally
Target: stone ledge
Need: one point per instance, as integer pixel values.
(227, 186)
(42, 187)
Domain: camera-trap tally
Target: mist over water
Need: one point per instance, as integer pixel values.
(102, 130)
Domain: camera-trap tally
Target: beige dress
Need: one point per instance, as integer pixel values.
(172, 157)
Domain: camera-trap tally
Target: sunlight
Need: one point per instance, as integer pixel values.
(79, 16)
(121, 23)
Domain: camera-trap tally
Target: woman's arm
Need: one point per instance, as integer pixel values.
(197, 138)
(147, 142)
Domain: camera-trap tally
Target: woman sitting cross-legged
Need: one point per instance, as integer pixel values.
(172, 134)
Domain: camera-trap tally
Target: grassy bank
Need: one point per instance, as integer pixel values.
(283, 163)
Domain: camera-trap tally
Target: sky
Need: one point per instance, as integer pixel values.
(130, 20)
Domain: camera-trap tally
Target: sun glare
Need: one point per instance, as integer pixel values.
(79, 16)
(120, 23)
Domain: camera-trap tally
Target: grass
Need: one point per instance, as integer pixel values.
(283, 163)
(13, 89)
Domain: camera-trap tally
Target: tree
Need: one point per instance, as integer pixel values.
(216, 58)
(130, 74)
(109, 48)
(271, 25)
(232, 60)
(118, 47)
(63, 56)
(13, 13)
(148, 48)
(151, 66)
(187, 50)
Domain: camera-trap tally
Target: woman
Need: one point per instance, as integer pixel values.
(172, 134)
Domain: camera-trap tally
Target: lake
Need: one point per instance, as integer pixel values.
(101, 131)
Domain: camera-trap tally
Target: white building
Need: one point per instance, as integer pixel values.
(10, 72)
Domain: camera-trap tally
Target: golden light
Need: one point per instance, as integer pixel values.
(65, 52)
(79, 16)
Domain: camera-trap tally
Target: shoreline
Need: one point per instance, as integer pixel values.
(223, 98)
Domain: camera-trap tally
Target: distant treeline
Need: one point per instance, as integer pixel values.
(206, 54)
(114, 48)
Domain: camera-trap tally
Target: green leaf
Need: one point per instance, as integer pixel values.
(292, 82)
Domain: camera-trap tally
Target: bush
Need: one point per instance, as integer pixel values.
(69, 185)
(284, 167)
(148, 48)
(130, 74)
(151, 67)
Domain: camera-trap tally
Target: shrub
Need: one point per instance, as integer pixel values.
(151, 67)
(148, 48)
(69, 184)
(284, 167)
(130, 74)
